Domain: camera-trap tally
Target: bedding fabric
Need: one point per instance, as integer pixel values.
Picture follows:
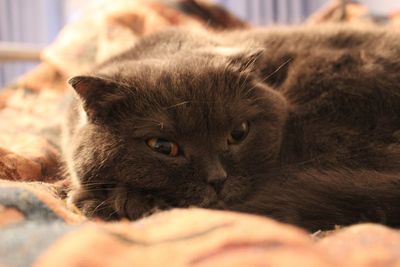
(38, 227)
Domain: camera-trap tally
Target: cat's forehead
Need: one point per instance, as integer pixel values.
(189, 118)
(193, 78)
(187, 97)
(196, 114)
(196, 88)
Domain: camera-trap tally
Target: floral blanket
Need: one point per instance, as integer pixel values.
(38, 227)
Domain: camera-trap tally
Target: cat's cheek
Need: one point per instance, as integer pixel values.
(236, 189)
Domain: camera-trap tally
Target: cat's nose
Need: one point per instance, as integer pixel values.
(217, 184)
(217, 178)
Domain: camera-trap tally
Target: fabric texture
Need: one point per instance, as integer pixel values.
(39, 229)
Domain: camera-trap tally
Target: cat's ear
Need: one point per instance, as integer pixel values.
(96, 93)
(242, 59)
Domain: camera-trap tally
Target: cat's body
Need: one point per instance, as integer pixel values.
(319, 109)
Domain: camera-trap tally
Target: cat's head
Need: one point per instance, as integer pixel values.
(177, 132)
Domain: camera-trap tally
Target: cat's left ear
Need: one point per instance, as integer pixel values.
(96, 93)
(242, 59)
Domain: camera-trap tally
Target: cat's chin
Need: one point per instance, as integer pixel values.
(209, 197)
(213, 200)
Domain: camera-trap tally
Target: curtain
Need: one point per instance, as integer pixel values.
(38, 21)
(264, 12)
(27, 21)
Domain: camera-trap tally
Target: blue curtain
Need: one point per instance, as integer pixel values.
(27, 21)
(264, 12)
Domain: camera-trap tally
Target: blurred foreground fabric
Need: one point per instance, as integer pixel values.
(38, 228)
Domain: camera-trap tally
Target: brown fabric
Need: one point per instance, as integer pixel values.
(30, 122)
(224, 239)
(10, 216)
(180, 237)
(44, 76)
(364, 245)
(352, 12)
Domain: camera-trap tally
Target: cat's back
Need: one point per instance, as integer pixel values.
(311, 37)
(343, 86)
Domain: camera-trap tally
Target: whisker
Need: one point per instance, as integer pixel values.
(99, 183)
(179, 104)
(112, 214)
(277, 69)
(98, 206)
(90, 190)
(263, 80)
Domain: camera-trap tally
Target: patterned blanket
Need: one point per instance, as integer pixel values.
(38, 227)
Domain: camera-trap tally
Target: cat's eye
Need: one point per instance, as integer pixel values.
(239, 133)
(163, 146)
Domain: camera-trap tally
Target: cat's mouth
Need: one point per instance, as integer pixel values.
(212, 199)
(206, 197)
(234, 191)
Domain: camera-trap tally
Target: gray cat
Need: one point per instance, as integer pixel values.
(299, 124)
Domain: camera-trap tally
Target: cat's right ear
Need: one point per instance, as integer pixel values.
(96, 93)
(247, 60)
(241, 59)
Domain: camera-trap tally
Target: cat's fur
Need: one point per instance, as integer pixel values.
(323, 105)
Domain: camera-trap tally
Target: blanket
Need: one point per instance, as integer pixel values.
(39, 228)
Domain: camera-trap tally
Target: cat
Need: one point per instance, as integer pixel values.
(301, 124)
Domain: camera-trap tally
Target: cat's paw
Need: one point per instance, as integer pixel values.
(93, 206)
(117, 204)
(135, 205)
